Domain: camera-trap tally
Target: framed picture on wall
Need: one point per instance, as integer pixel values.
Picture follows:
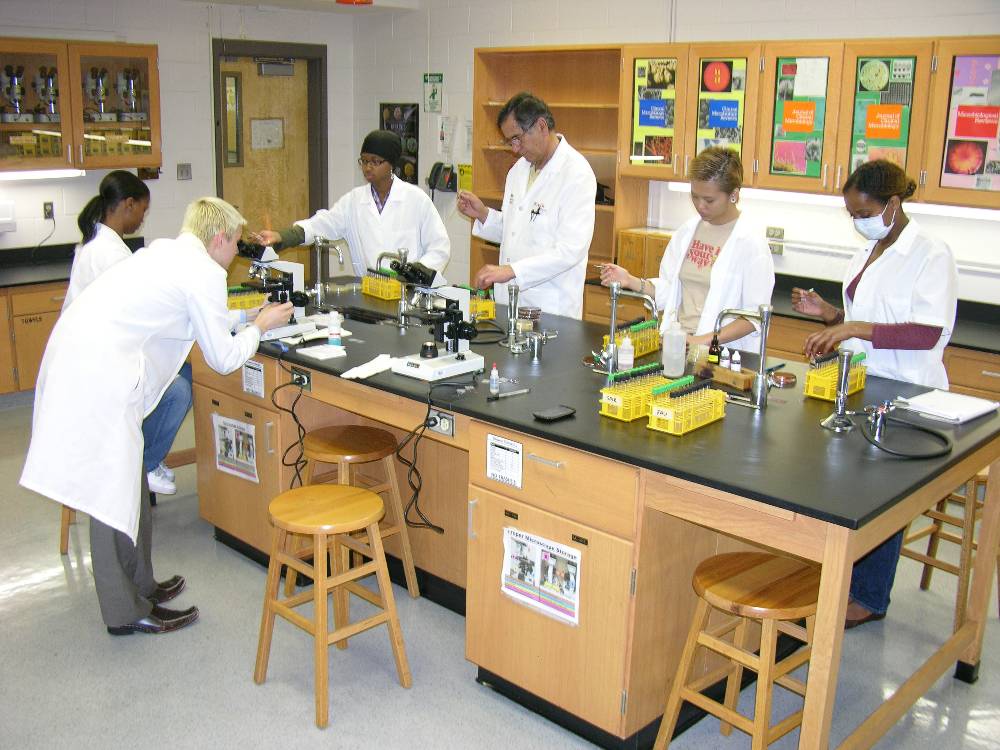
(404, 120)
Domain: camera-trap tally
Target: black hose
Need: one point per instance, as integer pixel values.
(944, 450)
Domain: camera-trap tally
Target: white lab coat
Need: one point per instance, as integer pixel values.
(94, 258)
(545, 232)
(742, 277)
(111, 355)
(914, 281)
(408, 219)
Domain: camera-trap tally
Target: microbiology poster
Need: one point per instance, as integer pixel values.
(654, 97)
(883, 98)
(721, 92)
(972, 149)
(799, 116)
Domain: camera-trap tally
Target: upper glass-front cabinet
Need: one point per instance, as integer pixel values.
(116, 93)
(78, 105)
(35, 123)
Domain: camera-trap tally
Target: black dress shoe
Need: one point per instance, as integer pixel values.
(167, 590)
(160, 620)
(850, 623)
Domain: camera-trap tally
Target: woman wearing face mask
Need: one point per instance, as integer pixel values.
(899, 308)
(715, 260)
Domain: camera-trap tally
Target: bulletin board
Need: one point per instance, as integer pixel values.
(654, 97)
(721, 92)
(883, 102)
(972, 149)
(799, 116)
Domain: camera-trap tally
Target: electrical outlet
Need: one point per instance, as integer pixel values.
(302, 378)
(183, 171)
(48, 211)
(441, 422)
(776, 233)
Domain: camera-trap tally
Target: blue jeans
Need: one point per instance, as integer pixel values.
(874, 573)
(160, 428)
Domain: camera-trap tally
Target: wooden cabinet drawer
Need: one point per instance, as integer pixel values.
(597, 306)
(656, 245)
(42, 298)
(788, 336)
(233, 382)
(972, 369)
(571, 483)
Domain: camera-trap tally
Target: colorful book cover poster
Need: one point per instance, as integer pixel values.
(541, 574)
(721, 90)
(883, 98)
(653, 102)
(972, 148)
(799, 116)
(404, 120)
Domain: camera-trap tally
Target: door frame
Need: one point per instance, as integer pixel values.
(315, 57)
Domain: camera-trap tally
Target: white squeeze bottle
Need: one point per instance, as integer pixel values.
(626, 354)
(494, 380)
(674, 349)
(333, 328)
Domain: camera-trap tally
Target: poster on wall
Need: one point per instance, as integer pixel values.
(721, 91)
(653, 100)
(972, 146)
(799, 116)
(883, 98)
(235, 448)
(541, 574)
(404, 120)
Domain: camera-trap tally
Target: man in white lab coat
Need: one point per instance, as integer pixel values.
(108, 361)
(547, 219)
(385, 214)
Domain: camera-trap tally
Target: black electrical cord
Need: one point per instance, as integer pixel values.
(493, 328)
(945, 449)
(413, 477)
(299, 462)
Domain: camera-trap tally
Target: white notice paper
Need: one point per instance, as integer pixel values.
(503, 460)
(253, 378)
(235, 448)
(541, 574)
(810, 76)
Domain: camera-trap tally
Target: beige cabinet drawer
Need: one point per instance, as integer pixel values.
(972, 369)
(233, 382)
(574, 484)
(41, 299)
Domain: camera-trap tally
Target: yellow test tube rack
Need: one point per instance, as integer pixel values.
(627, 399)
(482, 306)
(381, 284)
(239, 298)
(679, 410)
(645, 337)
(821, 382)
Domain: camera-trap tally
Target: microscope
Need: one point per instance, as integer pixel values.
(452, 327)
(12, 87)
(281, 281)
(47, 87)
(95, 88)
(127, 86)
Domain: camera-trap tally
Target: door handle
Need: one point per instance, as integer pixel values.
(472, 507)
(268, 426)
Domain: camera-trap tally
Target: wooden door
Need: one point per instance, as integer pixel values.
(265, 154)
(883, 105)
(231, 502)
(799, 106)
(963, 143)
(653, 110)
(579, 668)
(724, 83)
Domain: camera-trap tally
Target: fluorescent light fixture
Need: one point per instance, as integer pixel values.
(41, 174)
(958, 212)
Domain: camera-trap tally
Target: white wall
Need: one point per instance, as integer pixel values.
(183, 32)
(392, 52)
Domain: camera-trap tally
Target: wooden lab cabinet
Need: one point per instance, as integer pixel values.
(640, 250)
(235, 503)
(973, 372)
(8, 370)
(83, 105)
(27, 316)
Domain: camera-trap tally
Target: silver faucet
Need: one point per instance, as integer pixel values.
(609, 357)
(758, 393)
(321, 267)
(399, 255)
(516, 344)
(840, 420)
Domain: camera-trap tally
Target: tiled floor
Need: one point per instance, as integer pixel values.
(66, 683)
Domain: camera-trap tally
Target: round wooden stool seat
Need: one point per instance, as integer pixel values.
(348, 444)
(325, 509)
(759, 585)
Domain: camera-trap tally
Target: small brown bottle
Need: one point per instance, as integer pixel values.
(714, 351)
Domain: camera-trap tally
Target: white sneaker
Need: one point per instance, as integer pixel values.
(166, 471)
(159, 483)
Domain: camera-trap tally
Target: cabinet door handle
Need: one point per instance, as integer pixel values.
(991, 373)
(59, 298)
(687, 158)
(825, 168)
(836, 185)
(472, 507)
(546, 461)
(268, 426)
(69, 154)
(81, 153)
(673, 164)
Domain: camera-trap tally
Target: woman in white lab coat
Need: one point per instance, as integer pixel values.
(714, 261)
(111, 355)
(383, 215)
(547, 219)
(900, 295)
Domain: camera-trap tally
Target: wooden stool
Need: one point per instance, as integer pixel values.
(328, 513)
(68, 518)
(345, 446)
(941, 517)
(752, 586)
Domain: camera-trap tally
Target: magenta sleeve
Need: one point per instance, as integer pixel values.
(904, 336)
